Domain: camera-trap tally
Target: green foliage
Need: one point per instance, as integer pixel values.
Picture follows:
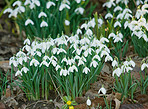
(3, 83)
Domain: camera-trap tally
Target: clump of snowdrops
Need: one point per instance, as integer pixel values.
(69, 64)
(41, 18)
(124, 81)
(122, 27)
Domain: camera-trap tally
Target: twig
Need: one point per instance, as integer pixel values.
(55, 85)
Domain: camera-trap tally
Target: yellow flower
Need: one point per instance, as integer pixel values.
(68, 103)
(71, 107)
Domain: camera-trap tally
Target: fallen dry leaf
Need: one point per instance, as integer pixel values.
(117, 103)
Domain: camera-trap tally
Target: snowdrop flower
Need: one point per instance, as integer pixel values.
(79, 31)
(18, 73)
(109, 4)
(84, 25)
(114, 63)
(103, 40)
(57, 67)
(44, 24)
(37, 2)
(24, 69)
(88, 102)
(9, 10)
(103, 53)
(117, 23)
(108, 15)
(126, 24)
(86, 70)
(131, 63)
(34, 62)
(27, 2)
(27, 41)
(13, 61)
(143, 66)
(120, 16)
(71, 69)
(127, 16)
(96, 57)
(89, 32)
(49, 4)
(61, 50)
(91, 23)
(64, 72)
(108, 58)
(14, 13)
(63, 5)
(29, 21)
(118, 8)
(94, 64)
(44, 63)
(42, 14)
(117, 71)
(103, 90)
(80, 62)
(79, 10)
(67, 23)
(118, 38)
(78, 1)
(18, 3)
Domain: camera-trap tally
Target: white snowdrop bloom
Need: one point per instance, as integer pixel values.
(84, 25)
(79, 10)
(27, 2)
(94, 64)
(13, 61)
(70, 62)
(46, 58)
(29, 21)
(80, 62)
(63, 5)
(53, 58)
(79, 31)
(18, 3)
(61, 50)
(103, 53)
(127, 10)
(77, 57)
(32, 5)
(53, 62)
(27, 41)
(57, 67)
(102, 90)
(108, 58)
(131, 63)
(49, 4)
(108, 15)
(67, 23)
(127, 16)
(138, 2)
(34, 62)
(44, 24)
(64, 72)
(14, 13)
(9, 10)
(114, 63)
(103, 40)
(88, 102)
(44, 63)
(38, 53)
(96, 57)
(78, 1)
(85, 40)
(64, 60)
(117, 23)
(42, 14)
(144, 7)
(18, 73)
(91, 23)
(117, 8)
(37, 2)
(109, 4)
(117, 71)
(86, 70)
(143, 66)
(89, 32)
(126, 24)
(120, 16)
(24, 69)
(72, 68)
